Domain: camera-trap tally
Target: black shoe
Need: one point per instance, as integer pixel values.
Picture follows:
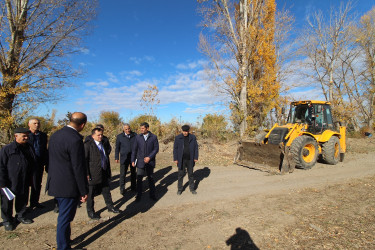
(93, 216)
(179, 192)
(113, 210)
(193, 192)
(153, 197)
(8, 227)
(137, 198)
(24, 220)
(37, 205)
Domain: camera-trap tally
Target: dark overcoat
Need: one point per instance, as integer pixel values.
(43, 138)
(67, 175)
(178, 149)
(124, 147)
(94, 163)
(142, 149)
(15, 170)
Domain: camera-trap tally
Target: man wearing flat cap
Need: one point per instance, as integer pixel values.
(185, 155)
(17, 163)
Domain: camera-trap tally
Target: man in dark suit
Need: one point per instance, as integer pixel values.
(67, 174)
(124, 145)
(99, 172)
(185, 155)
(17, 163)
(38, 140)
(105, 140)
(145, 148)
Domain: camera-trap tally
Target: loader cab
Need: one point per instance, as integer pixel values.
(317, 116)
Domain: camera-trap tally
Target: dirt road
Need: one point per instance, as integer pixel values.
(325, 207)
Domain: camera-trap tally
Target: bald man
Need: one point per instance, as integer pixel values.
(38, 140)
(67, 175)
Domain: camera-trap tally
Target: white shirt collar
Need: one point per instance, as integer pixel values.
(71, 127)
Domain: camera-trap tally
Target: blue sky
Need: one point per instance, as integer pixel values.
(137, 43)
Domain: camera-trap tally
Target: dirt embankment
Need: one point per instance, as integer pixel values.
(325, 207)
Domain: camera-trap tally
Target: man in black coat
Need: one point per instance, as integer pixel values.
(38, 140)
(67, 174)
(17, 163)
(145, 148)
(124, 145)
(99, 172)
(185, 155)
(105, 140)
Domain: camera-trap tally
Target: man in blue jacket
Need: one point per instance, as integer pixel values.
(185, 155)
(145, 148)
(67, 175)
(17, 164)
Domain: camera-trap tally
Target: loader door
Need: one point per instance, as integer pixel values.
(323, 118)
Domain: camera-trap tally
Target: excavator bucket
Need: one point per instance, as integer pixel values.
(265, 154)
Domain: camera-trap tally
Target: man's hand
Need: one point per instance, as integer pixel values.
(195, 160)
(88, 177)
(175, 162)
(147, 159)
(116, 161)
(133, 164)
(84, 198)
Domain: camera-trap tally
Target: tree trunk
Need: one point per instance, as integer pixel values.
(243, 107)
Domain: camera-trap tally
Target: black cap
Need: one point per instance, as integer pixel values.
(21, 130)
(185, 128)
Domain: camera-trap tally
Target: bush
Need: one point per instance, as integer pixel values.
(214, 126)
(153, 121)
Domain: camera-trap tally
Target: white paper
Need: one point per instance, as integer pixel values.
(135, 162)
(8, 193)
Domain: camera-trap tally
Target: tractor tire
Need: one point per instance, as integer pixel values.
(304, 151)
(331, 151)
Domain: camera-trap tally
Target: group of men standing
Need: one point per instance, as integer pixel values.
(22, 165)
(78, 170)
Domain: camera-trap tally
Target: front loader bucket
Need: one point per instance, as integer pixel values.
(265, 154)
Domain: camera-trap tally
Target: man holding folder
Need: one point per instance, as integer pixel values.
(17, 162)
(145, 148)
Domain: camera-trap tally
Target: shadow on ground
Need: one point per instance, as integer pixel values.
(132, 209)
(241, 240)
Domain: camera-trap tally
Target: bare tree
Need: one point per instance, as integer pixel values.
(35, 40)
(150, 100)
(364, 34)
(331, 52)
(238, 50)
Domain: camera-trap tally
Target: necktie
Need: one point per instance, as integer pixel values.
(102, 156)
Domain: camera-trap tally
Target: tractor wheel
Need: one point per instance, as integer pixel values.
(304, 150)
(331, 151)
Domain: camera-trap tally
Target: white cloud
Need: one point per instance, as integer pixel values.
(190, 65)
(187, 88)
(139, 60)
(97, 84)
(112, 77)
(84, 51)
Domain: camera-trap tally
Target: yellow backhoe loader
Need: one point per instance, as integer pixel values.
(309, 134)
